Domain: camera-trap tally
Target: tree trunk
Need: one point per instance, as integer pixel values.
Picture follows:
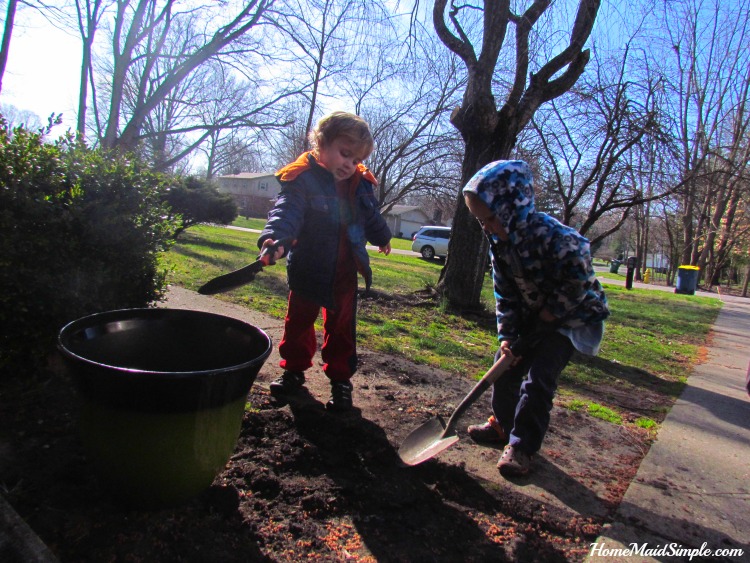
(462, 276)
(7, 33)
(83, 91)
(687, 224)
(89, 13)
(490, 134)
(147, 27)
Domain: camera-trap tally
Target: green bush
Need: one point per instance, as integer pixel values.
(80, 231)
(199, 201)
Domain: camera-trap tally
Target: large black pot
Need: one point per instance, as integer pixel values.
(164, 392)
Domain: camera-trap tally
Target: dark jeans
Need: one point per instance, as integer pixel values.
(522, 397)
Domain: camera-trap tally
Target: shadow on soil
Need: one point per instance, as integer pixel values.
(404, 513)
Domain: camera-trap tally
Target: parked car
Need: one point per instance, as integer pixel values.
(431, 241)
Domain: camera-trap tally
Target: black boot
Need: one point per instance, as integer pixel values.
(289, 383)
(341, 396)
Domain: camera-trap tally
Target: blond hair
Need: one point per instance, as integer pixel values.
(342, 124)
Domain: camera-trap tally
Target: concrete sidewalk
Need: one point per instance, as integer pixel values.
(692, 490)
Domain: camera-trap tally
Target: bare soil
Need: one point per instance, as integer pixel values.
(306, 484)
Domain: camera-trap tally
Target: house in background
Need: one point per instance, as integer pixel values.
(405, 220)
(253, 192)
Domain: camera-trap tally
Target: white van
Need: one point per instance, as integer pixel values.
(431, 241)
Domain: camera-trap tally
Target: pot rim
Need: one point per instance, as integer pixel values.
(70, 327)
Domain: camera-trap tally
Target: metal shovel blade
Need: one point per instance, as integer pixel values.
(435, 435)
(244, 275)
(425, 442)
(231, 280)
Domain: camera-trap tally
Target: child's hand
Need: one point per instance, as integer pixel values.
(385, 249)
(276, 255)
(506, 349)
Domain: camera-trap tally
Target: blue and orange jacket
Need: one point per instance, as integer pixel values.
(309, 213)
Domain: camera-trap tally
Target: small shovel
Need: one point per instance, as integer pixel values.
(434, 436)
(243, 276)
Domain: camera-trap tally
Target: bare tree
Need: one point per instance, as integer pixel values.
(212, 103)
(401, 89)
(140, 30)
(327, 45)
(411, 156)
(705, 75)
(233, 113)
(600, 142)
(89, 14)
(20, 118)
(412, 143)
(288, 143)
(490, 132)
(235, 153)
(729, 196)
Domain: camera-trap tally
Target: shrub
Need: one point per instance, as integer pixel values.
(80, 233)
(199, 201)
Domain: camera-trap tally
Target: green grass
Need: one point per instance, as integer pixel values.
(596, 410)
(258, 224)
(604, 413)
(646, 423)
(249, 223)
(652, 339)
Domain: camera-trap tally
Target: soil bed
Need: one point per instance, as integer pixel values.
(305, 484)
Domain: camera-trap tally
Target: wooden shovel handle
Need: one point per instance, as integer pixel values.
(492, 375)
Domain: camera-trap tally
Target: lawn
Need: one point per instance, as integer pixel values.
(652, 339)
(258, 224)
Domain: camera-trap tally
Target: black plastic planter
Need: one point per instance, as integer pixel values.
(164, 392)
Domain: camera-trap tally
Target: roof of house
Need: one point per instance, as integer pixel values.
(401, 209)
(247, 175)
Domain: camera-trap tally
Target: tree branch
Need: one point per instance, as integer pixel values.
(524, 24)
(462, 48)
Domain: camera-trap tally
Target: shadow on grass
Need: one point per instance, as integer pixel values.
(632, 375)
(674, 315)
(200, 257)
(268, 286)
(212, 245)
(624, 386)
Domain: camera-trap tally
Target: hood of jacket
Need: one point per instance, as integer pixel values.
(305, 162)
(507, 188)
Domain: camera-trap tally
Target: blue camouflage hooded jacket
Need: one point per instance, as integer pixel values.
(544, 264)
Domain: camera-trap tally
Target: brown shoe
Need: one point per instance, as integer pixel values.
(514, 462)
(488, 433)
